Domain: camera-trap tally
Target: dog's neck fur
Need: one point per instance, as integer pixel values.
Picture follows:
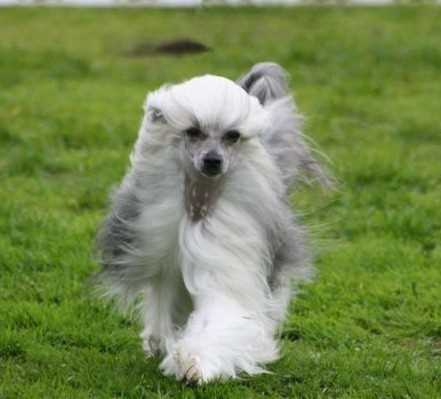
(200, 195)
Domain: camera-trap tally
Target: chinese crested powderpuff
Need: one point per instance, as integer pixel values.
(200, 235)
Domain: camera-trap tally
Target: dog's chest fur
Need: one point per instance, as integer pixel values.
(186, 201)
(200, 195)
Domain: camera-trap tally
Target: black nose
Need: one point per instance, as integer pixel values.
(212, 165)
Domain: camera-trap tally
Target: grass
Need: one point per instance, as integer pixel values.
(369, 82)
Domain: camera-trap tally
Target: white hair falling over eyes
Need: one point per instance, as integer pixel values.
(210, 101)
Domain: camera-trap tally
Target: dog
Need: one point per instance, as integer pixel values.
(200, 238)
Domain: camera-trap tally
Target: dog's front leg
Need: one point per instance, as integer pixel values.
(221, 339)
(158, 327)
(165, 310)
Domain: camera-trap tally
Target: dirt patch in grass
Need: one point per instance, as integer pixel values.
(182, 46)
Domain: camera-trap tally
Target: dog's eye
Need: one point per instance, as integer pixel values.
(232, 136)
(193, 133)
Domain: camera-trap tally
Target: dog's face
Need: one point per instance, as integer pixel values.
(209, 121)
(211, 151)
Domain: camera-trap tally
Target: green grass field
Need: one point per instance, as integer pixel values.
(369, 83)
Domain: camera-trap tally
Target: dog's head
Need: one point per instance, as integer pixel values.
(209, 126)
(208, 120)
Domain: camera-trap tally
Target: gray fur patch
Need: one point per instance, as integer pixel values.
(291, 260)
(116, 239)
(115, 234)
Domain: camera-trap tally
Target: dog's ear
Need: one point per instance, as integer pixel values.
(267, 81)
(155, 115)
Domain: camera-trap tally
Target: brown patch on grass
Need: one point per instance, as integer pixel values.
(172, 47)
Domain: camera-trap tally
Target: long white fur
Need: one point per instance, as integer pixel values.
(213, 291)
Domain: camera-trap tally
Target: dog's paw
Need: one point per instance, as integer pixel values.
(185, 366)
(150, 346)
(188, 367)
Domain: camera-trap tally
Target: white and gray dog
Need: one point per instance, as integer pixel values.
(200, 233)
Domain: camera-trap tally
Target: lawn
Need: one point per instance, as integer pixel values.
(369, 84)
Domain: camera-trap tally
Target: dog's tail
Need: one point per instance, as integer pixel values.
(267, 81)
(291, 150)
